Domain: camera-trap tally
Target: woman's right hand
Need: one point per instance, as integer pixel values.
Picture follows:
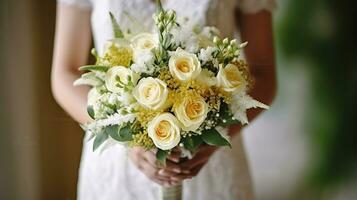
(169, 175)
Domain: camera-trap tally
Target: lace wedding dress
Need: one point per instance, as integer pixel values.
(110, 175)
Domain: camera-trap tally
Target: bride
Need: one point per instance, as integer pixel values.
(213, 173)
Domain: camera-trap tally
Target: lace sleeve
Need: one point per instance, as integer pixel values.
(79, 3)
(253, 6)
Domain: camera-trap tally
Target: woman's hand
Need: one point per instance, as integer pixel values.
(200, 158)
(190, 167)
(169, 175)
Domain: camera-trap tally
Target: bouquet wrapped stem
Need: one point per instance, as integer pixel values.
(171, 193)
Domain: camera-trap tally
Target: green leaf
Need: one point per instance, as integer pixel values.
(214, 138)
(99, 139)
(192, 143)
(159, 6)
(94, 68)
(122, 134)
(226, 116)
(116, 28)
(161, 156)
(90, 111)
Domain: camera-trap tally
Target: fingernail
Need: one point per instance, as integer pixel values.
(161, 172)
(186, 171)
(177, 170)
(173, 178)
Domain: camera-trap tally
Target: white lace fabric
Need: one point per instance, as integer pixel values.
(110, 174)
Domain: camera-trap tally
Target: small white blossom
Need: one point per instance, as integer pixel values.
(240, 103)
(205, 55)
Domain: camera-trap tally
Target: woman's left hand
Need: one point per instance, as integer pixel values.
(199, 159)
(191, 167)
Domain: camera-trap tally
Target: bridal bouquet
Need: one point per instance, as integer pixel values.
(177, 86)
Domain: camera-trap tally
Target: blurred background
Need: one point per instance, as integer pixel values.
(305, 147)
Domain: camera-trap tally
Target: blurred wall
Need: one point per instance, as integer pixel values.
(41, 140)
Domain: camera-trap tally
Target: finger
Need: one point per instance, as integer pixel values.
(151, 158)
(196, 170)
(174, 156)
(152, 172)
(162, 183)
(174, 167)
(174, 176)
(191, 163)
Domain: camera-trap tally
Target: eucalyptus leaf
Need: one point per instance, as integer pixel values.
(99, 139)
(94, 68)
(161, 156)
(121, 134)
(90, 111)
(118, 33)
(214, 138)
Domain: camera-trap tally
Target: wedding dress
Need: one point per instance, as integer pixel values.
(110, 174)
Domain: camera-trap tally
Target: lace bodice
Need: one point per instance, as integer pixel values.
(111, 175)
(219, 13)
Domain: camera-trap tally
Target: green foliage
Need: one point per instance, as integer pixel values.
(94, 68)
(161, 156)
(214, 138)
(99, 139)
(226, 117)
(192, 143)
(327, 41)
(90, 111)
(121, 134)
(118, 33)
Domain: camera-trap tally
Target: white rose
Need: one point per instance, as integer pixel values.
(144, 42)
(191, 112)
(164, 131)
(230, 79)
(124, 74)
(151, 93)
(184, 65)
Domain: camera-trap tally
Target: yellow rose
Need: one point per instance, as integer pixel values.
(151, 93)
(191, 112)
(230, 79)
(164, 131)
(184, 65)
(123, 74)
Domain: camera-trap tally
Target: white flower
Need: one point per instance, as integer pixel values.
(121, 73)
(143, 63)
(164, 131)
(151, 93)
(144, 42)
(115, 119)
(191, 112)
(207, 78)
(230, 79)
(205, 55)
(125, 98)
(93, 96)
(240, 103)
(184, 65)
(142, 45)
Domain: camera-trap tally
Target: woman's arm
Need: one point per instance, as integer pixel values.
(257, 30)
(72, 44)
